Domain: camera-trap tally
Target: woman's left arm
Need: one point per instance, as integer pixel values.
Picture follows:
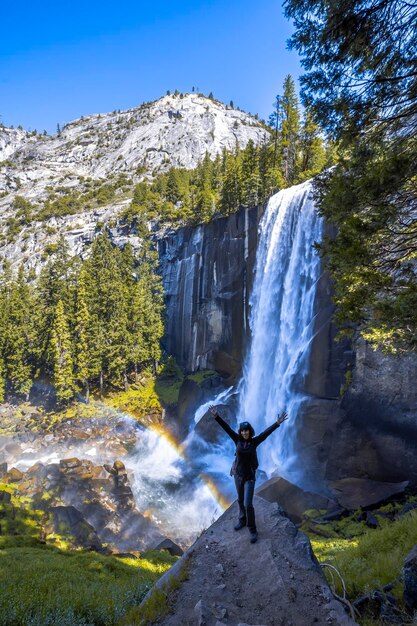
(268, 431)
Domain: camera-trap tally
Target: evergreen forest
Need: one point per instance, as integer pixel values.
(80, 323)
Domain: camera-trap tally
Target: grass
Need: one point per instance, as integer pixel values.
(158, 603)
(367, 559)
(202, 375)
(45, 585)
(139, 400)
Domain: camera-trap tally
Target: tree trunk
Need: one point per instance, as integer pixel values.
(136, 372)
(125, 380)
(101, 384)
(87, 392)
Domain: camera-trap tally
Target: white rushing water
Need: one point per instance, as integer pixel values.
(282, 314)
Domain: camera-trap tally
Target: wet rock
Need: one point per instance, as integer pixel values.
(119, 466)
(3, 469)
(13, 475)
(209, 430)
(169, 545)
(69, 463)
(353, 493)
(410, 580)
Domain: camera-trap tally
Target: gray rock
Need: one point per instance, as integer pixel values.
(410, 580)
(259, 590)
(292, 498)
(69, 521)
(170, 546)
(207, 274)
(353, 493)
(5, 497)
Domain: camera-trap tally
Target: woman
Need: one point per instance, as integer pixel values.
(245, 465)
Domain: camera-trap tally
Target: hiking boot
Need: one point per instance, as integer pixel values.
(253, 536)
(241, 524)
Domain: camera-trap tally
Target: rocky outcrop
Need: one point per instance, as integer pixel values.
(275, 582)
(174, 131)
(353, 493)
(207, 274)
(293, 500)
(364, 430)
(86, 502)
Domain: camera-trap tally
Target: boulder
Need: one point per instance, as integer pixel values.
(169, 545)
(353, 493)
(13, 475)
(5, 497)
(410, 580)
(209, 430)
(69, 463)
(69, 521)
(259, 582)
(294, 500)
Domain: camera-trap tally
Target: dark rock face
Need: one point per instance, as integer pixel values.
(369, 433)
(207, 275)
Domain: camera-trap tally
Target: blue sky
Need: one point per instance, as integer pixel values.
(59, 61)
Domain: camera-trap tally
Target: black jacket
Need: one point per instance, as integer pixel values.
(246, 457)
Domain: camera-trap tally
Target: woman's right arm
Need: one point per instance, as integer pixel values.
(224, 424)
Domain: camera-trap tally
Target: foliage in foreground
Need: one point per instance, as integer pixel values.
(366, 559)
(360, 58)
(42, 585)
(45, 586)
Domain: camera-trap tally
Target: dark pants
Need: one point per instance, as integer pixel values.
(245, 489)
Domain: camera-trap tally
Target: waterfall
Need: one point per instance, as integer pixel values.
(281, 321)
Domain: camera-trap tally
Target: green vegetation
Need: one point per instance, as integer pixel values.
(366, 559)
(361, 87)
(295, 152)
(67, 201)
(201, 376)
(50, 584)
(158, 603)
(44, 586)
(82, 323)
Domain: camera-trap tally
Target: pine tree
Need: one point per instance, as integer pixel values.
(290, 130)
(2, 380)
(205, 199)
(57, 281)
(19, 337)
(62, 358)
(83, 349)
(312, 151)
(230, 199)
(250, 179)
(275, 121)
